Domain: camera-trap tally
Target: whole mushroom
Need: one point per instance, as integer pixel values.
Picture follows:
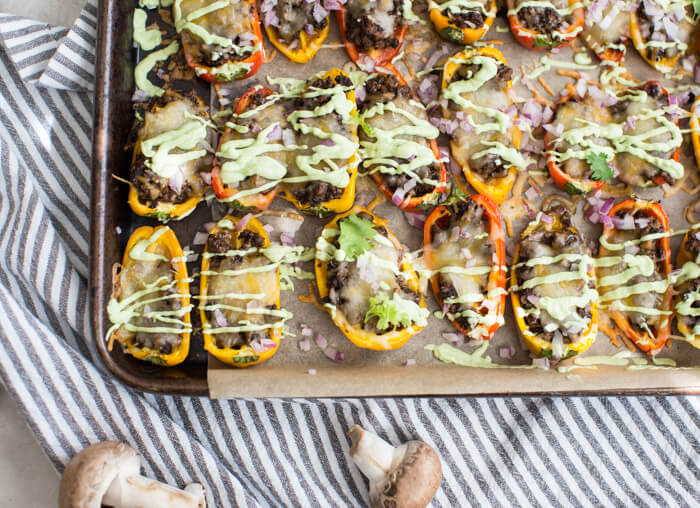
(107, 474)
(406, 476)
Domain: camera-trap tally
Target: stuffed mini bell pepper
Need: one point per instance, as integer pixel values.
(630, 137)
(607, 29)
(372, 31)
(240, 294)
(463, 22)
(169, 157)
(695, 129)
(634, 268)
(686, 304)
(222, 40)
(662, 31)
(367, 282)
(150, 304)
(483, 137)
(297, 29)
(398, 144)
(546, 24)
(553, 287)
(252, 157)
(322, 173)
(464, 245)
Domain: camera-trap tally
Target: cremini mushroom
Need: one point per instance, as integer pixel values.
(107, 474)
(406, 476)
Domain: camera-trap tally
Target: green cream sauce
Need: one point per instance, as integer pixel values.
(146, 39)
(138, 251)
(459, 6)
(146, 65)
(158, 149)
(478, 359)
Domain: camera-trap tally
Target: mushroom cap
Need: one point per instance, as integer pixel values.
(90, 472)
(413, 479)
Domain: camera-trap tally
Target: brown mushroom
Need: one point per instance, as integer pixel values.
(107, 474)
(406, 476)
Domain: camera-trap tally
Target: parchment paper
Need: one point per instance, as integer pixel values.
(370, 373)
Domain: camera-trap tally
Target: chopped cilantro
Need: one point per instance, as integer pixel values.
(456, 195)
(397, 312)
(542, 42)
(366, 127)
(156, 360)
(355, 236)
(600, 170)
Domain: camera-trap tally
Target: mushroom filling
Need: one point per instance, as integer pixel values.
(607, 25)
(479, 128)
(167, 165)
(395, 139)
(555, 284)
(688, 287)
(159, 302)
(240, 291)
(666, 28)
(549, 18)
(462, 244)
(632, 279)
(214, 37)
(371, 24)
(373, 282)
(464, 13)
(263, 119)
(632, 139)
(322, 110)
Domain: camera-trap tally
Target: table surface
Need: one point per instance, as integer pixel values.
(23, 465)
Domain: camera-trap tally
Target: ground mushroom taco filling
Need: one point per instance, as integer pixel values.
(551, 20)
(372, 24)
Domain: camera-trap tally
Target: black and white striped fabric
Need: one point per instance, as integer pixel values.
(641, 451)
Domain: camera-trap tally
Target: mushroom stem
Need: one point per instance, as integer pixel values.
(137, 491)
(372, 455)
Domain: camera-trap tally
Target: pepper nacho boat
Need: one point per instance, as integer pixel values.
(240, 294)
(297, 29)
(545, 24)
(462, 21)
(368, 285)
(553, 287)
(169, 157)
(150, 304)
(398, 144)
(464, 245)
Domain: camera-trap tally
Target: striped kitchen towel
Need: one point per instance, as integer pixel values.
(634, 451)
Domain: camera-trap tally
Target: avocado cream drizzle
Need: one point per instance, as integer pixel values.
(389, 145)
(146, 39)
(547, 63)
(478, 358)
(186, 137)
(122, 312)
(146, 65)
(139, 251)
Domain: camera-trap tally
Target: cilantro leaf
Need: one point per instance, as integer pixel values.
(456, 195)
(397, 312)
(542, 42)
(355, 236)
(600, 170)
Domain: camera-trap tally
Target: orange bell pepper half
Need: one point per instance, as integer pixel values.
(649, 343)
(258, 201)
(308, 45)
(438, 220)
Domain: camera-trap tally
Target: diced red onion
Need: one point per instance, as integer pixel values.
(607, 205)
(305, 344)
(531, 194)
(275, 134)
(417, 220)
(312, 372)
(176, 181)
(435, 57)
(271, 19)
(321, 341)
(333, 354)
(456, 339)
(506, 352)
(626, 222)
(409, 362)
(287, 240)
(200, 238)
(327, 142)
(309, 29)
(267, 5)
(319, 13)
(541, 362)
(287, 137)
(532, 110)
(642, 222)
(397, 197)
(244, 221)
(139, 96)
(360, 94)
(306, 331)
(365, 63)
(219, 318)
(545, 218)
(206, 178)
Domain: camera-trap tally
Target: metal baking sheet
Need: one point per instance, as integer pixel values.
(364, 372)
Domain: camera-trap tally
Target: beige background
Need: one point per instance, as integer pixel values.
(27, 479)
